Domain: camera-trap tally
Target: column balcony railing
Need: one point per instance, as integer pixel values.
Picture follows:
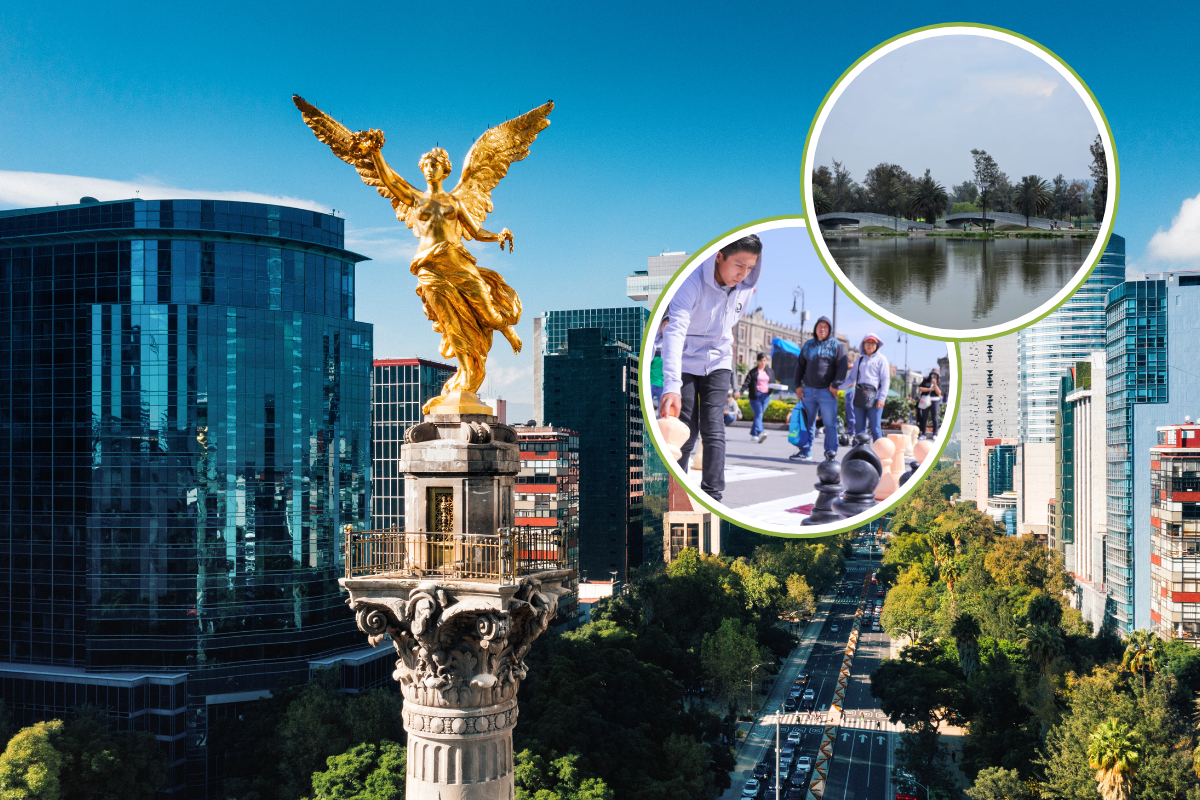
(498, 558)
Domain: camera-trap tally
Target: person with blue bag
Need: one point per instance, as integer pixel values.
(869, 380)
(798, 434)
(820, 370)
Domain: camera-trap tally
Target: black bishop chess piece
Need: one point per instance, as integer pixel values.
(861, 471)
(913, 466)
(829, 473)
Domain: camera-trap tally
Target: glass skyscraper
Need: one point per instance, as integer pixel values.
(1048, 348)
(184, 432)
(1137, 373)
(625, 324)
(401, 387)
(591, 388)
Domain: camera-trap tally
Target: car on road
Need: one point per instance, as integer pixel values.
(802, 679)
(809, 694)
(833, 628)
(761, 770)
(795, 690)
(798, 779)
(795, 736)
(905, 796)
(807, 704)
(803, 764)
(795, 793)
(752, 788)
(790, 705)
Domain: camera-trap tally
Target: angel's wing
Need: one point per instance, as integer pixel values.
(488, 160)
(341, 142)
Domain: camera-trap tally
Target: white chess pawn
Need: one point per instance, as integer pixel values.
(675, 433)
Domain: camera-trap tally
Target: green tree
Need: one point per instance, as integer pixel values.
(1143, 654)
(821, 201)
(732, 660)
(842, 189)
(762, 590)
(997, 783)
(1099, 170)
(30, 764)
(987, 178)
(1113, 753)
(561, 779)
(909, 611)
(1033, 197)
(1043, 644)
(966, 639)
(800, 598)
(364, 772)
(887, 188)
(129, 764)
(927, 198)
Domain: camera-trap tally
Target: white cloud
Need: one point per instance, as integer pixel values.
(1020, 85)
(37, 189)
(499, 377)
(1180, 242)
(382, 244)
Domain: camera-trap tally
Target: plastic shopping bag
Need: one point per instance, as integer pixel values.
(798, 428)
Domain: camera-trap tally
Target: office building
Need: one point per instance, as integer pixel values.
(184, 433)
(547, 496)
(1050, 347)
(686, 524)
(591, 388)
(1175, 532)
(646, 285)
(989, 407)
(401, 387)
(1080, 524)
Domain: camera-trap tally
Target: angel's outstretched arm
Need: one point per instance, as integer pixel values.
(394, 183)
(479, 234)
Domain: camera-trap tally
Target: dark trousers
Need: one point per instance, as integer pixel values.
(702, 405)
(929, 416)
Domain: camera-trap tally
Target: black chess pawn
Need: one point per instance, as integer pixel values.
(861, 470)
(913, 466)
(829, 473)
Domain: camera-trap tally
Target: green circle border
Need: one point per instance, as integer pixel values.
(649, 415)
(1114, 175)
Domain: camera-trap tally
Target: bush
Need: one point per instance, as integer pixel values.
(897, 409)
(776, 411)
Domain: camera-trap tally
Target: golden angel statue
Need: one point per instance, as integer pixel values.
(465, 301)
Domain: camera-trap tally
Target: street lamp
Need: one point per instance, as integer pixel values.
(798, 292)
(752, 669)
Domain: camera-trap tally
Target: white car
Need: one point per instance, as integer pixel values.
(751, 788)
(794, 737)
(803, 764)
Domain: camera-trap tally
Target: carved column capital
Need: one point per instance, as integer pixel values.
(461, 645)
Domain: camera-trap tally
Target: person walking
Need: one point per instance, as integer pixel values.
(869, 378)
(929, 402)
(698, 351)
(820, 370)
(758, 385)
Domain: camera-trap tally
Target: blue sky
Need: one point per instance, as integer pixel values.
(790, 261)
(673, 123)
(927, 104)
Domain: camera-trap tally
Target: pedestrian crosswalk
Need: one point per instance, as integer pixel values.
(869, 720)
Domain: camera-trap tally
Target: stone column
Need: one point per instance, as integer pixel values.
(462, 648)
(457, 608)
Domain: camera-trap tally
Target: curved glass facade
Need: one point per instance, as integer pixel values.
(1050, 347)
(185, 404)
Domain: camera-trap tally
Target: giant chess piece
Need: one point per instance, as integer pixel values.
(913, 466)
(861, 470)
(829, 473)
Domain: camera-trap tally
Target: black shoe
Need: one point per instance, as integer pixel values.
(799, 455)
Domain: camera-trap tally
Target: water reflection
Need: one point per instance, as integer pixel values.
(959, 284)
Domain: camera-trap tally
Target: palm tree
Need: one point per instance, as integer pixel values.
(821, 202)
(927, 198)
(965, 631)
(1143, 654)
(1112, 752)
(1043, 644)
(1033, 197)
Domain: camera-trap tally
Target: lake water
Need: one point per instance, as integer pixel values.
(959, 284)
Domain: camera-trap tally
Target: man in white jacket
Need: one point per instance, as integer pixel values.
(697, 351)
